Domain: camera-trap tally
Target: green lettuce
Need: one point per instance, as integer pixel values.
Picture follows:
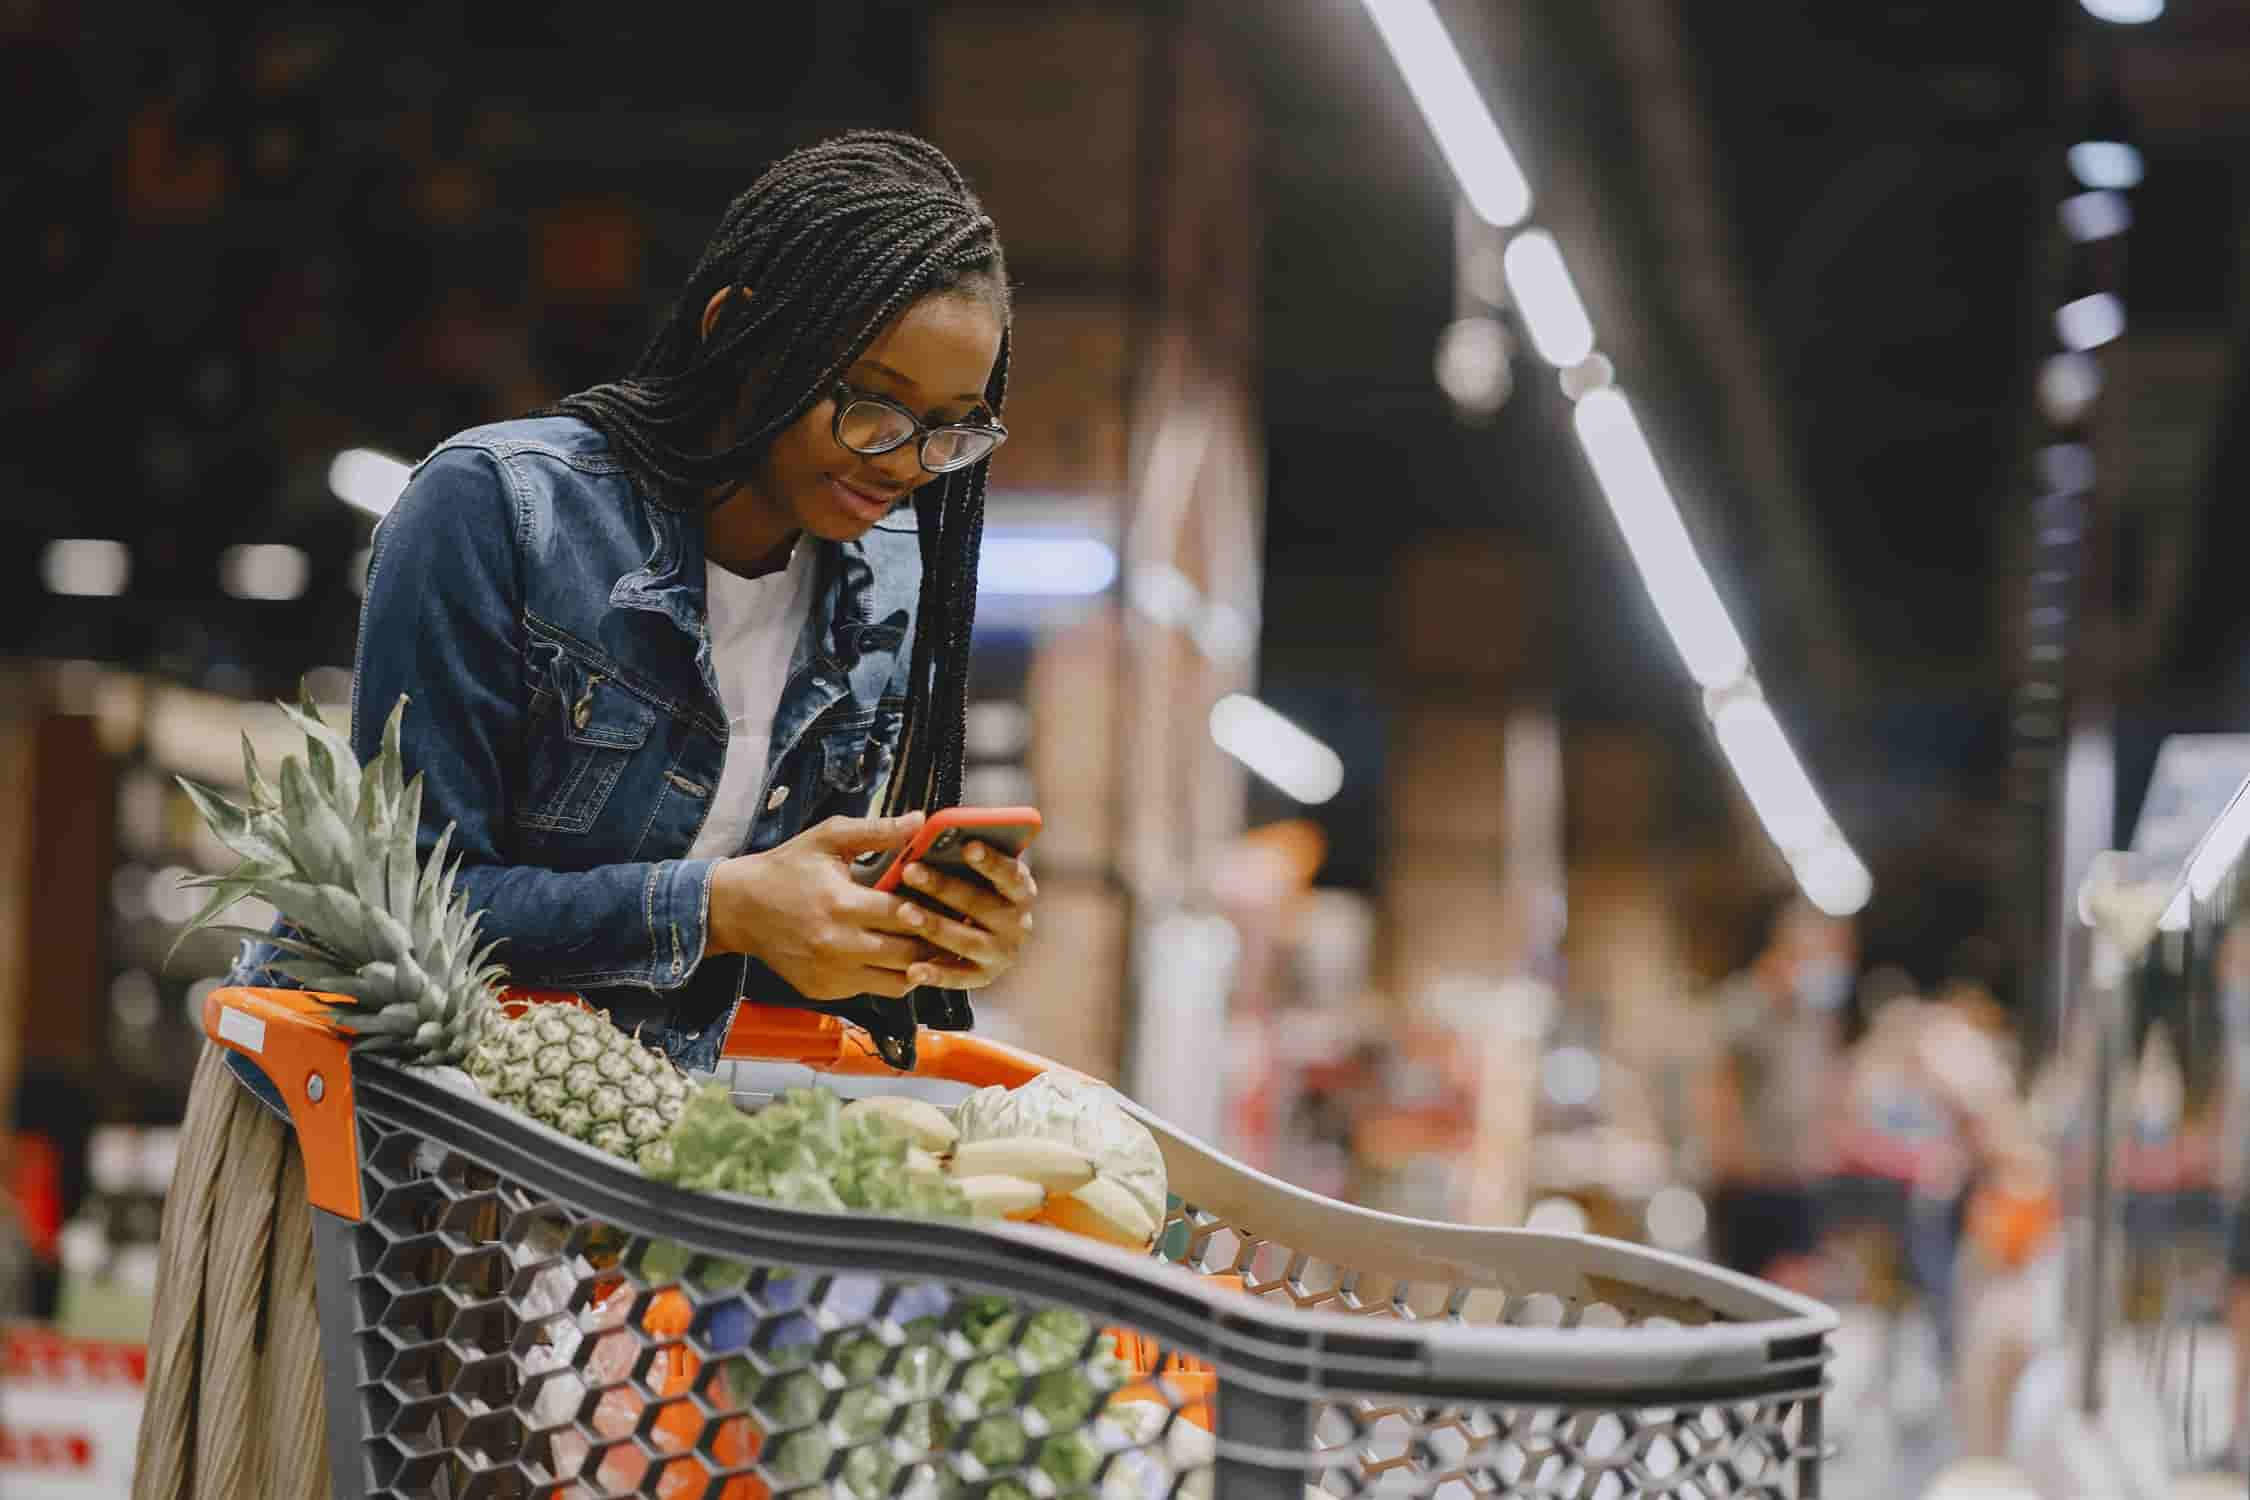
(804, 1152)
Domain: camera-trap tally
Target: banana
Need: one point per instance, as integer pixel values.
(1053, 1165)
(1102, 1210)
(996, 1196)
(925, 1124)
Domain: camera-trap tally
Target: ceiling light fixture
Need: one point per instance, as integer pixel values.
(367, 480)
(86, 567)
(1560, 329)
(1276, 749)
(1486, 169)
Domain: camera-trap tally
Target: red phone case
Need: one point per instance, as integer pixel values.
(1006, 828)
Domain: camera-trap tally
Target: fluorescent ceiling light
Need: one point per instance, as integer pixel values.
(367, 480)
(1276, 749)
(1473, 147)
(2124, 12)
(2096, 214)
(264, 571)
(1047, 566)
(2090, 322)
(1560, 329)
(1771, 776)
(88, 567)
(2068, 384)
(1834, 880)
(1655, 535)
(2106, 164)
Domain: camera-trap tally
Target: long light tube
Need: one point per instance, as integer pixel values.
(1486, 169)
(1276, 749)
(1757, 752)
(2090, 322)
(88, 567)
(1834, 880)
(2096, 214)
(1641, 501)
(1045, 566)
(1560, 329)
(2114, 165)
(367, 480)
(2124, 12)
(1771, 775)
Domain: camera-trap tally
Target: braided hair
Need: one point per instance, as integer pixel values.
(833, 241)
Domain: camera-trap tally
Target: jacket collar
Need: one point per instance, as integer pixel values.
(671, 582)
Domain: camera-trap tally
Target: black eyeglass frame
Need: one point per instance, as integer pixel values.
(919, 432)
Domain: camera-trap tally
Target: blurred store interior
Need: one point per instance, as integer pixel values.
(1417, 814)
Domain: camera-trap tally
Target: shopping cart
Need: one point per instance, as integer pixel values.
(507, 1313)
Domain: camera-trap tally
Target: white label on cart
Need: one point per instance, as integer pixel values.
(242, 1028)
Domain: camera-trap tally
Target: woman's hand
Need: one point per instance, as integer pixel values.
(797, 909)
(993, 921)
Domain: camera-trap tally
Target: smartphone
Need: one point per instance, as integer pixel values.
(942, 843)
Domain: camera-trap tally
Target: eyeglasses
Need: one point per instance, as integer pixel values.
(871, 424)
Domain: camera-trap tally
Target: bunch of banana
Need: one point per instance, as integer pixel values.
(1024, 1177)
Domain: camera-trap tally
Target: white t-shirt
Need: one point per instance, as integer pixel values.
(754, 625)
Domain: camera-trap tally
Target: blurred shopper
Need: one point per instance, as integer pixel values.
(2009, 1275)
(1902, 1149)
(1769, 1101)
(678, 617)
(2009, 1281)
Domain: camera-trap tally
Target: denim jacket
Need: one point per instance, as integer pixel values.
(546, 620)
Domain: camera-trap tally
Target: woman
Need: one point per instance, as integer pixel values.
(676, 654)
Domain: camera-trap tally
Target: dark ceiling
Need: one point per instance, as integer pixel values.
(1883, 178)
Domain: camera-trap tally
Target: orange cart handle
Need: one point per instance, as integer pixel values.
(773, 1033)
(296, 1041)
(825, 1044)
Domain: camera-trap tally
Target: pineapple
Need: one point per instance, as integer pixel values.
(576, 1071)
(333, 850)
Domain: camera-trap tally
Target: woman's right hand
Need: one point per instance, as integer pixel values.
(797, 910)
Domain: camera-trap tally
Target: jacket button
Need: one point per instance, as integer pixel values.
(776, 797)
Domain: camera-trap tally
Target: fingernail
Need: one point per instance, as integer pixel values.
(976, 854)
(918, 974)
(912, 916)
(1027, 923)
(916, 875)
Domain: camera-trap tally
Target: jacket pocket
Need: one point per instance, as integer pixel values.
(583, 729)
(855, 761)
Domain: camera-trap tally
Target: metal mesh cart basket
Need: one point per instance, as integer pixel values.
(507, 1313)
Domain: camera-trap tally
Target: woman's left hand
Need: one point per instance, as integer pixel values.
(980, 943)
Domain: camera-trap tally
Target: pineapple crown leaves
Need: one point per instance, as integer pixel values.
(333, 847)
